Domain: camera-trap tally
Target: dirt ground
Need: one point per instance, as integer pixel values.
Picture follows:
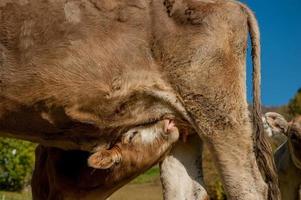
(149, 191)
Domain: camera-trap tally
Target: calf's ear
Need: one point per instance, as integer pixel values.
(104, 159)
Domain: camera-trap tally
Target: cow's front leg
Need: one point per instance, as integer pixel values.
(181, 172)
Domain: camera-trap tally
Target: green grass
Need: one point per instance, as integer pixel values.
(15, 195)
(148, 177)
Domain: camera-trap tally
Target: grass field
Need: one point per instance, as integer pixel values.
(139, 188)
(151, 176)
(15, 195)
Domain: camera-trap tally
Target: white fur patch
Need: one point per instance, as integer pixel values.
(72, 12)
(142, 135)
(267, 128)
(148, 136)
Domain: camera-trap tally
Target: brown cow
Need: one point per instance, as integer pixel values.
(74, 70)
(63, 174)
(288, 155)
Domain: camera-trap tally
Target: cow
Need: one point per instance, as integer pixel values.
(61, 174)
(72, 71)
(287, 156)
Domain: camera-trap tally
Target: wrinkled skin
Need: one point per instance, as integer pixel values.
(287, 156)
(72, 73)
(61, 175)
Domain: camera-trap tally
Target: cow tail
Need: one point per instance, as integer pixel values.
(263, 150)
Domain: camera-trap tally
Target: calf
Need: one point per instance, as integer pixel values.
(63, 174)
(288, 155)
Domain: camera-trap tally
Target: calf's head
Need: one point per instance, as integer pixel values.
(136, 150)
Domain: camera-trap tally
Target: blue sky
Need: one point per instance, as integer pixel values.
(280, 25)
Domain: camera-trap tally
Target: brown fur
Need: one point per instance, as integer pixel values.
(113, 65)
(204, 77)
(60, 174)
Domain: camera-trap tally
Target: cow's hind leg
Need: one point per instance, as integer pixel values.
(227, 130)
(204, 56)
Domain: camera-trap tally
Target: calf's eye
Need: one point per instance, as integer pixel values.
(131, 136)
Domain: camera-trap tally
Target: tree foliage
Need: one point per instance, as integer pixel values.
(16, 163)
(295, 104)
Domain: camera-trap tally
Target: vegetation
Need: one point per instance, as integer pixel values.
(150, 176)
(26, 195)
(16, 163)
(294, 106)
(219, 191)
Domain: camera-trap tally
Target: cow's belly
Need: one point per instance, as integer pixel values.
(61, 131)
(85, 62)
